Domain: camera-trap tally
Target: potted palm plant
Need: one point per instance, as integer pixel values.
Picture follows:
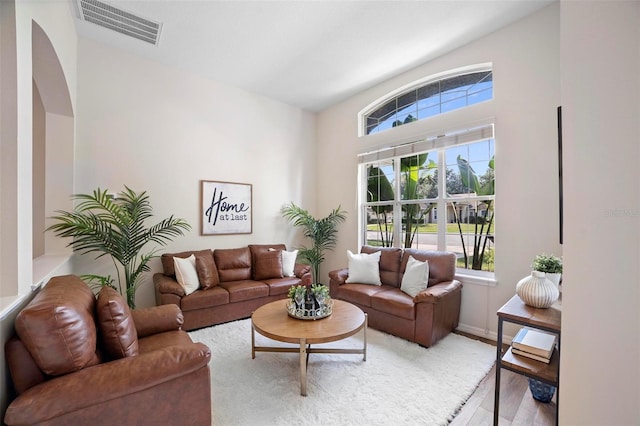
(115, 227)
(322, 232)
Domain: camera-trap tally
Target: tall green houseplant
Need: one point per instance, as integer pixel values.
(116, 227)
(322, 232)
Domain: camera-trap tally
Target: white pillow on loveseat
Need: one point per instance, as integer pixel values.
(364, 268)
(416, 277)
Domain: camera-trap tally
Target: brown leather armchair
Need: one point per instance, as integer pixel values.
(78, 360)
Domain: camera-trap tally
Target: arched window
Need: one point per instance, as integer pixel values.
(425, 99)
(433, 190)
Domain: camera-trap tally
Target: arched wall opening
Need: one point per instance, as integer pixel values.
(52, 156)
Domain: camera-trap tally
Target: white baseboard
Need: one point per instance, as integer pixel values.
(485, 334)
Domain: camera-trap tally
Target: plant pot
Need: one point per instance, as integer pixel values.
(555, 278)
(537, 290)
(541, 391)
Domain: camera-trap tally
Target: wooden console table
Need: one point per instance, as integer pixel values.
(515, 311)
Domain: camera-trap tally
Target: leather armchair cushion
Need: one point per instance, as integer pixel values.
(119, 337)
(57, 326)
(205, 266)
(157, 319)
(267, 265)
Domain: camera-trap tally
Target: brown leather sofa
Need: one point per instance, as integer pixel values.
(78, 360)
(233, 283)
(426, 318)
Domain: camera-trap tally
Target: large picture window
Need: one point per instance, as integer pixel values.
(440, 196)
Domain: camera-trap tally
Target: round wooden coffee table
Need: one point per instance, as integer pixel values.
(273, 321)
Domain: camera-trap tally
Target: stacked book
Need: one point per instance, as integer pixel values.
(534, 344)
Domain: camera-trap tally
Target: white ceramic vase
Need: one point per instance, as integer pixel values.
(537, 290)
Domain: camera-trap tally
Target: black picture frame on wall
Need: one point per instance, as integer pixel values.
(560, 189)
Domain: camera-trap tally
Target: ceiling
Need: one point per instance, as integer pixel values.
(310, 54)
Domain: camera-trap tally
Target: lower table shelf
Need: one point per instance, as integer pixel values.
(547, 373)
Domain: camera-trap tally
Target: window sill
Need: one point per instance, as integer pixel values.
(44, 267)
(9, 303)
(482, 278)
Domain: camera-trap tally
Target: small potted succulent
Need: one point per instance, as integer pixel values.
(550, 265)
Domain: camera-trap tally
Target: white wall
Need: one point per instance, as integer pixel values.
(525, 59)
(19, 58)
(600, 365)
(155, 128)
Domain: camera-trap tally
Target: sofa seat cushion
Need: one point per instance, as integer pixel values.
(360, 294)
(245, 290)
(163, 340)
(202, 299)
(394, 302)
(281, 285)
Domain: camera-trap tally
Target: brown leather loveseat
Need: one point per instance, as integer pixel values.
(79, 360)
(424, 318)
(232, 282)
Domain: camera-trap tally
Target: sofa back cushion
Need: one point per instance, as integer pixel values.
(442, 264)
(118, 335)
(233, 264)
(267, 260)
(205, 266)
(57, 326)
(389, 263)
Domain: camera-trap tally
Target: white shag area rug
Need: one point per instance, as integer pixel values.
(399, 383)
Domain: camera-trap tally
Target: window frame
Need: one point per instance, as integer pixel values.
(486, 278)
(417, 84)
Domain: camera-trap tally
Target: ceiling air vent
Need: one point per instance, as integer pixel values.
(119, 20)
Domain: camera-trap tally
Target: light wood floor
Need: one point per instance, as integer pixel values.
(517, 406)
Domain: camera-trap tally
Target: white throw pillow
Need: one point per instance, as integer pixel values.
(289, 262)
(364, 268)
(416, 277)
(186, 273)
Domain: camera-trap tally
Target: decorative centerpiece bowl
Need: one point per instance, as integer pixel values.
(309, 303)
(313, 313)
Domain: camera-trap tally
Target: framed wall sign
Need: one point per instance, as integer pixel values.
(225, 208)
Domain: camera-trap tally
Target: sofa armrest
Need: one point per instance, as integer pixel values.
(166, 284)
(339, 276)
(436, 292)
(157, 319)
(302, 271)
(106, 382)
(336, 279)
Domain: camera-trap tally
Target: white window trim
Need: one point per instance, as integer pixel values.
(481, 278)
(44, 267)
